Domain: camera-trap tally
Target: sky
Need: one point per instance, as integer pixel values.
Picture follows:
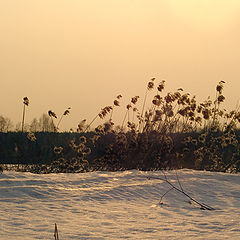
(82, 54)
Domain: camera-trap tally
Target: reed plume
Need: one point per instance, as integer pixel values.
(65, 113)
(25, 103)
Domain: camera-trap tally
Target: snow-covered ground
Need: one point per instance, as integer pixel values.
(118, 205)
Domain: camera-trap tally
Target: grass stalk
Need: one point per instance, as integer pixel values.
(23, 117)
(88, 126)
(56, 237)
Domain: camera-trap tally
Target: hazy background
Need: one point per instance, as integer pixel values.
(62, 53)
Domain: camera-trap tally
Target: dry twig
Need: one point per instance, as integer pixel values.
(203, 206)
(56, 233)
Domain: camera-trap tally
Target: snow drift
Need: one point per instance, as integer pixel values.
(118, 205)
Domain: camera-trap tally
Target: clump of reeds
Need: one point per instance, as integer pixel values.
(31, 136)
(71, 159)
(53, 116)
(173, 130)
(216, 147)
(102, 114)
(150, 142)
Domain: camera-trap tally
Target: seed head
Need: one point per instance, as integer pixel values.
(221, 98)
(79, 148)
(105, 111)
(83, 139)
(191, 114)
(94, 138)
(87, 150)
(99, 130)
(161, 86)
(116, 103)
(199, 109)
(128, 106)
(52, 114)
(198, 119)
(26, 101)
(31, 136)
(219, 87)
(169, 113)
(156, 102)
(134, 99)
(158, 112)
(183, 112)
(119, 96)
(169, 98)
(107, 126)
(150, 85)
(193, 106)
(67, 111)
(81, 125)
(57, 150)
(206, 114)
(177, 95)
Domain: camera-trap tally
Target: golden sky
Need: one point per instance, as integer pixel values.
(62, 53)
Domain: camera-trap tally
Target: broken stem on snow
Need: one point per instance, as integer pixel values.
(202, 205)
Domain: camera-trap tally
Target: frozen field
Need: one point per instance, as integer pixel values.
(118, 205)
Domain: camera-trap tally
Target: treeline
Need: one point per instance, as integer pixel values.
(42, 124)
(17, 148)
(107, 149)
(43, 147)
(214, 150)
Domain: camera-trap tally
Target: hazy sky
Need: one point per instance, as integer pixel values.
(62, 53)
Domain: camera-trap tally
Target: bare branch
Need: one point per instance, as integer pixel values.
(178, 180)
(160, 201)
(203, 206)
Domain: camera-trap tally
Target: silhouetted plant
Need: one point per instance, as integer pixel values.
(217, 148)
(65, 113)
(53, 115)
(172, 131)
(25, 103)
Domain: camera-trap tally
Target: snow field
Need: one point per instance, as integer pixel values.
(118, 205)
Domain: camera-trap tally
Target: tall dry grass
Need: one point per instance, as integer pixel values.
(171, 130)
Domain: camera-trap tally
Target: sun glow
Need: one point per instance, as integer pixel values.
(214, 13)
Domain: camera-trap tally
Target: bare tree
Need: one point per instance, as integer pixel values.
(46, 124)
(6, 124)
(34, 126)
